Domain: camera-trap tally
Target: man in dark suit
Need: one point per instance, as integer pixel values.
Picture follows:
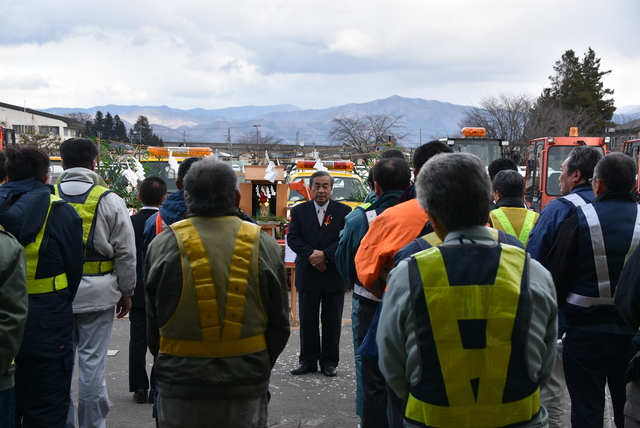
(153, 190)
(313, 236)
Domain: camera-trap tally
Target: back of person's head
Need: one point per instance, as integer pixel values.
(3, 170)
(392, 153)
(428, 150)
(320, 174)
(152, 191)
(617, 171)
(26, 162)
(455, 189)
(210, 187)
(392, 174)
(78, 152)
(509, 183)
(583, 159)
(501, 164)
(184, 167)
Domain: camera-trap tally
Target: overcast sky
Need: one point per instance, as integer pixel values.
(310, 53)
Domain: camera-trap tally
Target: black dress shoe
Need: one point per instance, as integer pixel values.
(329, 371)
(140, 396)
(303, 368)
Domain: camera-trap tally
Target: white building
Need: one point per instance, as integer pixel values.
(25, 120)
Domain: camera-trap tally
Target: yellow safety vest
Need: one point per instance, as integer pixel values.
(87, 212)
(521, 217)
(42, 285)
(471, 330)
(219, 334)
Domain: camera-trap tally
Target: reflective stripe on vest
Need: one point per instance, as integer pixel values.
(575, 199)
(218, 340)
(605, 296)
(474, 373)
(529, 221)
(87, 212)
(42, 285)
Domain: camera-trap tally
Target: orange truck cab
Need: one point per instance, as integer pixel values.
(544, 160)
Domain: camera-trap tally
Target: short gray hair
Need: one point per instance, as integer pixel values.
(583, 159)
(455, 189)
(210, 187)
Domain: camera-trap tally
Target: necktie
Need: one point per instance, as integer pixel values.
(320, 216)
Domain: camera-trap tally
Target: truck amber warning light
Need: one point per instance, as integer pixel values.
(474, 132)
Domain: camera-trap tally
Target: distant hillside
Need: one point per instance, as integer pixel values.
(435, 118)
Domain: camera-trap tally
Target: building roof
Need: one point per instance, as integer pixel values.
(71, 123)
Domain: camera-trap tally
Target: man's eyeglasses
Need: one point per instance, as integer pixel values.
(591, 180)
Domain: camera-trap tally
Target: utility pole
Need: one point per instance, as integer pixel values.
(229, 140)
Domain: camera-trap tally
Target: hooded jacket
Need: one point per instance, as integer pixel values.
(113, 238)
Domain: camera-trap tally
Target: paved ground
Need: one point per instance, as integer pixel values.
(311, 400)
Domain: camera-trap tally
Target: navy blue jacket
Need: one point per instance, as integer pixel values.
(571, 261)
(23, 209)
(544, 233)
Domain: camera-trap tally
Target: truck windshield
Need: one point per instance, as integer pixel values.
(163, 170)
(344, 189)
(556, 155)
(486, 150)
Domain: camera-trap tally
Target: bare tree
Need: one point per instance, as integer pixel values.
(258, 143)
(365, 133)
(83, 118)
(504, 116)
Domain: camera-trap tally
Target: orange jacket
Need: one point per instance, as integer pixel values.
(391, 230)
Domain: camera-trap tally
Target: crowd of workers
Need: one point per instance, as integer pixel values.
(468, 308)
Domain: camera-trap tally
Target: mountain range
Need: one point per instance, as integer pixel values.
(435, 118)
(424, 120)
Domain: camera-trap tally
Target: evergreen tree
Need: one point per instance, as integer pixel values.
(107, 127)
(142, 133)
(577, 87)
(98, 124)
(89, 129)
(119, 130)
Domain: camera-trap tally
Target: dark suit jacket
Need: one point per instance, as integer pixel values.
(138, 220)
(305, 235)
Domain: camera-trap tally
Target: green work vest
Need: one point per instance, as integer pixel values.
(521, 218)
(472, 308)
(32, 252)
(86, 206)
(198, 328)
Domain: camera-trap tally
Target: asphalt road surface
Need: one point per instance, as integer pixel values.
(310, 400)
